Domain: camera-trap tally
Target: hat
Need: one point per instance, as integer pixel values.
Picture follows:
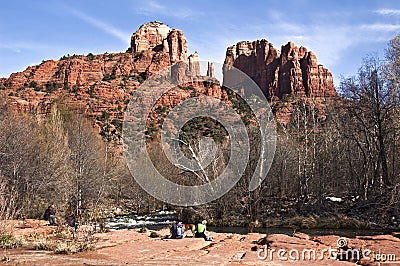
(204, 222)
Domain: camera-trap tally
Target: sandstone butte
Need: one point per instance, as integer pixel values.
(105, 82)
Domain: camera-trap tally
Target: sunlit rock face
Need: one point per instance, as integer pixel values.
(292, 70)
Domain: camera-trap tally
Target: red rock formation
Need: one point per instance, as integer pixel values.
(177, 46)
(105, 82)
(179, 73)
(153, 47)
(292, 71)
(210, 70)
(194, 64)
(149, 36)
(158, 46)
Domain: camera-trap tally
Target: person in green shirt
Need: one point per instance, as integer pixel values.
(201, 231)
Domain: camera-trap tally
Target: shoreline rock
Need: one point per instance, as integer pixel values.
(134, 248)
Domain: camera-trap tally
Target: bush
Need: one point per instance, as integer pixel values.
(117, 124)
(9, 241)
(50, 87)
(186, 88)
(33, 84)
(108, 77)
(151, 130)
(68, 56)
(65, 246)
(139, 78)
(90, 91)
(334, 222)
(160, 110)
(62, 242)
(105, 116)
(90, 56)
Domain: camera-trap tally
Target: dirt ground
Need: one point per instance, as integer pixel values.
(131, 247)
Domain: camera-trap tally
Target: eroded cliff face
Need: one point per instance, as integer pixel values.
(292, 70)
(104, 83)
(154, 46)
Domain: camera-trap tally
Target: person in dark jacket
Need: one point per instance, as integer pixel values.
(173, 229)
(50, 215)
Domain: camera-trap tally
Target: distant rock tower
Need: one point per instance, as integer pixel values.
(156, 37)
(148, 36)
(194, 64)
(292, 70)
(210, 70)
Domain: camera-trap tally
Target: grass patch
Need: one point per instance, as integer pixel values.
(9, 241)
(334, 222)
(62, 241)
(65, 246)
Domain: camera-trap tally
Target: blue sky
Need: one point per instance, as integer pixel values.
(340, 32)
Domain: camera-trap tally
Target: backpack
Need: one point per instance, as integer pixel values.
(71, 221)
(46, 215)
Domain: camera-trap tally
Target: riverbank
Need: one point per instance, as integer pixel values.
(134, 247)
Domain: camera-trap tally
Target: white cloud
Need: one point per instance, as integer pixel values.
(155, 8)
(108, 28)
(20, 46)
(331, 38)
(389, 12)
(381, 27)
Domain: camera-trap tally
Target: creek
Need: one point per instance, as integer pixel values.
(162, 219)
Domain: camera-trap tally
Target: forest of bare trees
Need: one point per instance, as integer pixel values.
(352, 155)
(56, 159)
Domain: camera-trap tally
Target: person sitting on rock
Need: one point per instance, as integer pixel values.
(50, 215)
(180, 231)
(173, 229)
(201, 231)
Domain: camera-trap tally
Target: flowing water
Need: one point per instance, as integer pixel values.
(152, 221)
(162, 219)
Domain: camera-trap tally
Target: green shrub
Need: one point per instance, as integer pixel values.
(9, 241)
(117, 124)
(90, 91)
(151, 130)
(33, 84)
(68, 56)
(160, 110)
(108, 77)
(51, 86)
(90, 56)
(139, 78)
(105, 116)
